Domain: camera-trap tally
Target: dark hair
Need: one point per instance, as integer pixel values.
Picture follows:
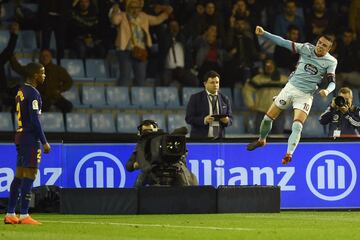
(293, 27)
(32, 68)
(328, 37)
(210, 74)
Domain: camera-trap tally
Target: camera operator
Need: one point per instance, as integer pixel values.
(159, 171)
(342, 116)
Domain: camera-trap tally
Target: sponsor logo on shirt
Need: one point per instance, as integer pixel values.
(311, 69)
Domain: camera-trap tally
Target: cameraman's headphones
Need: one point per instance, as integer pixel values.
(146, 122)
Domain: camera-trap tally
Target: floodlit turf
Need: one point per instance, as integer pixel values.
(286, 225)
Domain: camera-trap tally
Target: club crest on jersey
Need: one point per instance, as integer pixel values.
(309, 68)
(282, 102)
(35, 105)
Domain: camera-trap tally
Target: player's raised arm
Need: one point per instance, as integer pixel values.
(259, 31)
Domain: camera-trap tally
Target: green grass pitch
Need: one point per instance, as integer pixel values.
(306, 225)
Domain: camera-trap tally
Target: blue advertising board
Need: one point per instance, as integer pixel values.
(321, 175)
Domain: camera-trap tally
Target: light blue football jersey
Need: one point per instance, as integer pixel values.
(310, 69)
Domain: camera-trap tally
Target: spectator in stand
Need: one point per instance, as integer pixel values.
(209, 54)
(53, 17)
(319, 21)
(175, 57)
(197, 24)
(285, 60)
(213, 18)
(84, 28)
(56, 82)
(133, 37)
(240, 10)
(259, 92)
(287, 18)
(354, 17)
(348, 56)
(243, 51)
(7, 93)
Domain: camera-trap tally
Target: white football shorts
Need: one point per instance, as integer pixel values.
(290, 95)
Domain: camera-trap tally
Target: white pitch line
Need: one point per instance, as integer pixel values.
(152, 225)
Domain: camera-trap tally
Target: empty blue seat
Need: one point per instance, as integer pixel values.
(6, 122)
(75, 68)
(321, 103)
(28, 40)
(102, 123)
(227, 92)
(159, 118)
(143, 97)
(167, 97)
(78, 122)
(176, 121)
(237, 126)
(96, 68)
(22, 61)
(312, 126)
(52, 122)
(73, 96)
(238, 99)
(187, 92)
(356, 96)
(93, 96)
(118, 97)
(127, 122)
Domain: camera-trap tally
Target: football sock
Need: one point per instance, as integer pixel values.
(14, 195)
(265, 127)
(294, 136)
(25, 195)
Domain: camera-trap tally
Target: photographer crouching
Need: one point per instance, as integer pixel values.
(342, 116)
(160, 157)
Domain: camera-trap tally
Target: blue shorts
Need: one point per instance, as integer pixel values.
(28, 155)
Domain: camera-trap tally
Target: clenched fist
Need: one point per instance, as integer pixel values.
(259, 31)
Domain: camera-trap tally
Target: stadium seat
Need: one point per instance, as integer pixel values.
(127, 122)
(118, 97)
(238, 102)
(227, 92)
(73, 96)
(6, 122)
(176, 121)
(312, 126)
(356, 96)
(159, 118)
(96, 68)
(52, 122)
(187, 92)
(77, 122)
(22, 61)
(28, 41)
(167, 97)
(102, 123)
(143, 97)
(237, 126)
(75, 68)
(321, 103)
(93, 96)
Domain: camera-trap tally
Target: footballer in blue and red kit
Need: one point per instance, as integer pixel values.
(29, 133)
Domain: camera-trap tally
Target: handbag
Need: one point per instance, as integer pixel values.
(137, 52)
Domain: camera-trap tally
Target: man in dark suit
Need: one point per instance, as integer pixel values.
(209, 111)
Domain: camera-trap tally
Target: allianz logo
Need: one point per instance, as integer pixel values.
(331, 175)
(99, 170)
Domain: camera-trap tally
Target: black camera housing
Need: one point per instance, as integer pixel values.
(340, 101)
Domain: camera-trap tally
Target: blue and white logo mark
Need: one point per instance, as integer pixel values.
(331, 175)
(99, 170)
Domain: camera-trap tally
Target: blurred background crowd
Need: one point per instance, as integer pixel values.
(178, 42)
